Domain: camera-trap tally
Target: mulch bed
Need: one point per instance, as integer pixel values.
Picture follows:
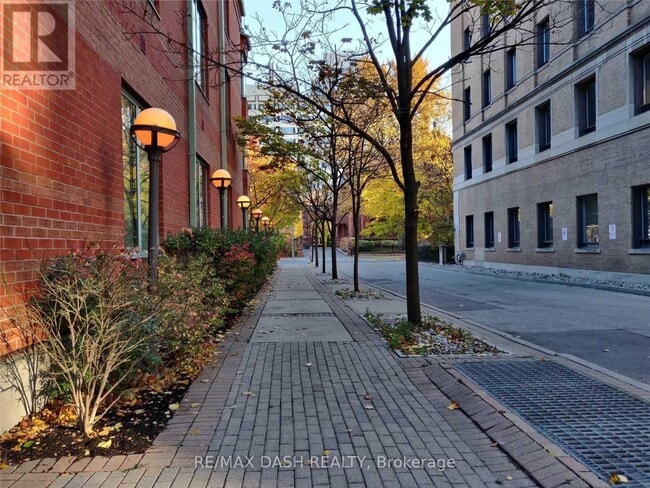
(130, 426)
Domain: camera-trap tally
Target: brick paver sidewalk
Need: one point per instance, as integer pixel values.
(303, 393)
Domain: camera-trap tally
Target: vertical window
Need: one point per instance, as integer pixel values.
(511, 68)
(512, 150)
(467, 39)
(487, 153)
(585, 17)
(485, 25)
(467, 103)
(543, 36)
(543, 121)
(487, 88)
(641, 217)
(468, 162)
(641, 66)
(545, 224)
(489, 230)
(201, 192)
(514, 240)
(199, 44)
(469, 231)
(588, 221)
(586, 105)
(135, 170)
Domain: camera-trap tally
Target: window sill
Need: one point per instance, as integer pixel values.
(513, 249)
(469, 248)
(545, 249)
(641, 251)
(489, 249)
(587, 250)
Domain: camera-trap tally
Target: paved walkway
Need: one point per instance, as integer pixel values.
(303, 393)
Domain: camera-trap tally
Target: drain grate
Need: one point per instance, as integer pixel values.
(607, 429)
(298, 314)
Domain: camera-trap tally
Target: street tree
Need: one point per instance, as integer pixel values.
(310, 44)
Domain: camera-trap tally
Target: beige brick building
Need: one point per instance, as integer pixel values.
(552, 140)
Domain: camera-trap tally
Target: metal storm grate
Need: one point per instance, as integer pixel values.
(607, 429)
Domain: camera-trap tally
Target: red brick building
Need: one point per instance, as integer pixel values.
(69, 169)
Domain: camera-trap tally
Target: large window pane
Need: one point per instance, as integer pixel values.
(135, 166)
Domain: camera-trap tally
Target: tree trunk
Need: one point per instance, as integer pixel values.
(314, 244)
(322, 233)
(335, 273)
(356, 212)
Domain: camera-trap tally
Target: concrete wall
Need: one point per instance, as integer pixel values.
(608, 161)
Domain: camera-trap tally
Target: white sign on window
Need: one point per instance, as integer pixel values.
(612, 232)
(565, 234)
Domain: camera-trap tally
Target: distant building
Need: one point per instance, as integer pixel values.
(552, 142)
(70, 172)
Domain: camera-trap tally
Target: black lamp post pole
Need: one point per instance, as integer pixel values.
(222, 199)
(154, 154)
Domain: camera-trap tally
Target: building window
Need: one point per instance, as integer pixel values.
(588, 221)
(641, 216)
(199, 44)
(641, 61)
(511, 68)
(585, 16)
(468, 163)
(467, 39)
(543, 37)
(487, 88)
(545, 224)
(487, 153)
(489, 230)
(512, 151)
(467, 103)
(135, 169)
(586, 105)
(201, 192)
(543, 121)
(469, 231)
(485, 25)
(514, 240)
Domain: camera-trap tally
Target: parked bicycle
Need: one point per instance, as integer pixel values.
(458, 257)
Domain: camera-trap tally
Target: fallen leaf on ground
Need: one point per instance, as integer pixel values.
(617, 479)
(174, 406)
(105, 444)
(308, 365)
(140, 411)
(248, 393)
(453, 406)
(195, 405)
(326, 452)
(369, 407)
(509, 478)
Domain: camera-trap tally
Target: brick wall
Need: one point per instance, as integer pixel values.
(61, 172)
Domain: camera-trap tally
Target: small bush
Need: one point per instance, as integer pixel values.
(86, 308)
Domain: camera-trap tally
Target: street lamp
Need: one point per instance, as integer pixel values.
(154, 130)
(265, 222)
(257, 214)
(221, 179)
(244, 202)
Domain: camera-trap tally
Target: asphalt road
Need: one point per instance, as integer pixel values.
(609, 329)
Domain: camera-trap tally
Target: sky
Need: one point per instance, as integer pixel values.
(437, 54)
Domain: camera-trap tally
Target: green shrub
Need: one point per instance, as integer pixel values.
(92, 330)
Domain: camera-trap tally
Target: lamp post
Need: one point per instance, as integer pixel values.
(257, 214)
(221, 180)
(244, 202)
(154, 130)
(265, 222)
